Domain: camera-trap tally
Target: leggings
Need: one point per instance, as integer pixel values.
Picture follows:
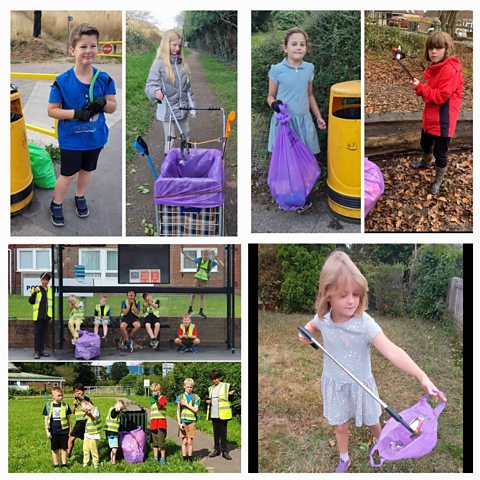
(171, 130)
(436, 145)
(74, 324)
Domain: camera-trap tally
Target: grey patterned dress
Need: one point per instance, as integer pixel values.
(349, 343)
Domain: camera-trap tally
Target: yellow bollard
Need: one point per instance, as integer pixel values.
(344, 150)
(21, 178)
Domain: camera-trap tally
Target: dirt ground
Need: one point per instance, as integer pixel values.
(206, 126)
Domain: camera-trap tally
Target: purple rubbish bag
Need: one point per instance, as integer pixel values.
(133, 445)
(87, 346)
(395, 441)
(293, 169)
(374, 185)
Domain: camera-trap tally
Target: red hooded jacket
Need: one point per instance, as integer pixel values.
(442, 95)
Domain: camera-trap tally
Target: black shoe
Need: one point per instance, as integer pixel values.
(185, 459)
(214, 453)
(36, 355)
(190, 310)
(81, 207)
(44, 354)
(226, 456)
(64, 465)
(201, 314)
(56, 212)
(190, 459)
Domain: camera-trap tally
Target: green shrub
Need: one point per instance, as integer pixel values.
(431, 272)
(286, 19)
(387, 281)
(269, 277)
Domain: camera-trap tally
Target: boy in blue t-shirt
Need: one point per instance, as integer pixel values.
(79, 98)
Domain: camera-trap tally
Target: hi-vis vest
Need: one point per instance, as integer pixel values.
(77, 312)
(157, 413)
(93, 427)
(106, 308)
(131, 311)
(63, 414)
(152, 309)
(79, 414)
(112, 424)
(38, 299)
(186, 414)
(190, 329)
(203, 270)
(224, 408)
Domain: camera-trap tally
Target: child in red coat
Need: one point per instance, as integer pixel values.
(442, 94)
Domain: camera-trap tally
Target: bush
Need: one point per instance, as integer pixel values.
(431, 272)
(387, 282)
(269, 277)
(286, 19)
(380, 39)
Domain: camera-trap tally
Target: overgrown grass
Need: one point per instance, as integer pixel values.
(294, 436)
(140, 112)
(29, 449)
(170, 305)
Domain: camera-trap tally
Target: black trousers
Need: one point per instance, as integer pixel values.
(438, 145)
(39, 334)
(220, 434)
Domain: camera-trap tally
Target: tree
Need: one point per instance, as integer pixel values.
(67, 372)
(448, 21)
(84, 374)
(119, 370)
(41, 368)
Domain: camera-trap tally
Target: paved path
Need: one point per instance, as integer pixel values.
(202, 446)
(105, 191)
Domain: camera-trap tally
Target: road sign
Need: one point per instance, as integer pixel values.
(107, 48)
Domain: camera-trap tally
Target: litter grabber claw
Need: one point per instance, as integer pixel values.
(391, 411)
(140, 145)
(399, 55)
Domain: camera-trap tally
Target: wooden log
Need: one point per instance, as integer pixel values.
(399, 133)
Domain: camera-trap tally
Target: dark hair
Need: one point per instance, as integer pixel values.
(79, 386)
(83, 29)
(144, 295)
(439, 40)
(132, 290)
(214, 374)
(46, 276)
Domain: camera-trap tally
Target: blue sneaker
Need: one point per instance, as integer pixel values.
(163, 460)
(56, 212)
(130, 345)
(194, 349)
(81, 207)
(182, 349)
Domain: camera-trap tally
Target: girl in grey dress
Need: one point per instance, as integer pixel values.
(348, 332)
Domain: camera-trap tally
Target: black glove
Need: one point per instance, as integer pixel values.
(276, 105)
(98, 104)
(83, 114)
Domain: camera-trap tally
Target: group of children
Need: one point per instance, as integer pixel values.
(89, 427)
(187, 333)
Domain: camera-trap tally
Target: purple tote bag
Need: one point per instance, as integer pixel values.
(374, 185)
(293, 169)
(395, 442)
(87, 346)
(133, 445)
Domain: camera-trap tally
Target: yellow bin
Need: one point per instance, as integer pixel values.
(21, 178)
(343, 152)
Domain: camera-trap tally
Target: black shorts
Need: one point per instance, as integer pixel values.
(78, 430)
(72, 161)
(129, 319)
(151, 319)
(59, 442)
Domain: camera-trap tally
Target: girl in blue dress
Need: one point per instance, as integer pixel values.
(290, 82)
(348, 332)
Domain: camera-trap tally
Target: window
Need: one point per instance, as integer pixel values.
(99, 263)
(112, 263)
(34, 259)
(190, 266)
(91, 260)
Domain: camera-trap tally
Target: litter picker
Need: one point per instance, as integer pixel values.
(142, 147)
(398, 55)
(392, 412)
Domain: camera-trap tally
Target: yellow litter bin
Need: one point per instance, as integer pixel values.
(21, 178)
(344, 152)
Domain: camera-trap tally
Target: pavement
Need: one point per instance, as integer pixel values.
(203, 445)
(105, 191)
(207, 354)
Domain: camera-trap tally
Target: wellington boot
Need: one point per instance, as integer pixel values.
(439, 174)
(423, 163)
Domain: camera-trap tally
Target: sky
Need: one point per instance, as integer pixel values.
(166, 17)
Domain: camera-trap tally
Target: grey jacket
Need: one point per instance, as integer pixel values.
(177, 93)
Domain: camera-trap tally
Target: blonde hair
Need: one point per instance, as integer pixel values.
(119, 400)
(155, 387)
(337, 270)
(439, 40)
(57, 389)
(188, 381)
(163, 53)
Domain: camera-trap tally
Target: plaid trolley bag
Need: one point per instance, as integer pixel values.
(189, 193)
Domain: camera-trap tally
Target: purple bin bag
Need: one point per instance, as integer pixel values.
(374, 185)
(87, 346)
(395, 441)
(194, 180)
(133, 445)
(293, 168)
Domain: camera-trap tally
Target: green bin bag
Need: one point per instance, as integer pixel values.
(42, 167)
